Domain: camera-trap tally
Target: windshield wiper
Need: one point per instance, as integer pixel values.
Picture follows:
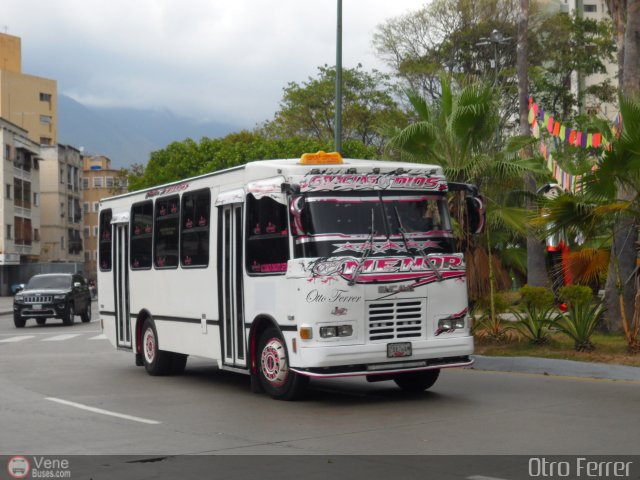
(417, 247)
(366, 251)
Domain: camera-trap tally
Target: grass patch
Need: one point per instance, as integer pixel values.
(610, 348)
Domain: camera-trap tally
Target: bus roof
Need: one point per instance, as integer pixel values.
(291, 167)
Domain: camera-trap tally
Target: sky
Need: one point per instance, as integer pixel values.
(213, 60)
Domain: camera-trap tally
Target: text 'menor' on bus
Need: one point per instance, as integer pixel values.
(292, 269)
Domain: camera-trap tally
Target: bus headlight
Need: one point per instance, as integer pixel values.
(336, 331)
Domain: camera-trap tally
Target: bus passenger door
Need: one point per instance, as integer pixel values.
(121, 284)
(230, 281)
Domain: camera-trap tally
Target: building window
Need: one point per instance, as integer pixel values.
(7, 152)
(45, 97)
(45, 119)
(95, 231)
(36, 199)
(61, 210)
(61, 174)
(590, 7)
(62, 243)
(8, 192)
(97, 182)
(96, 207)
(85, 207)
(45, 141)
(22, 193)
(85, 183)
(9, 231)
(109, 182)
(36, 234)
(87, 256)
(23, 231)
(87, 232)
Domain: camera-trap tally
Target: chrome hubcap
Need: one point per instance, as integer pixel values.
(149, 344)
(273, 362)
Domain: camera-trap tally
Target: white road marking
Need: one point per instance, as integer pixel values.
(16, 339)
(102, 336)
(33, 333)
(60, 338)
(102, 412)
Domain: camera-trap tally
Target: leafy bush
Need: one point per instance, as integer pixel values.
(582, 317)
(534, 322)
(535, 314)
(492, 327)
(536, 297)
(575, 294)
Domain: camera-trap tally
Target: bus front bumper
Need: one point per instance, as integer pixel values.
(372, 360)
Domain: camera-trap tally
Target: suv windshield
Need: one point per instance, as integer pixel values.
(49, 281)
(340, 224)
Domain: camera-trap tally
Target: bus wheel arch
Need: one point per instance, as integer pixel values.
(270, 363)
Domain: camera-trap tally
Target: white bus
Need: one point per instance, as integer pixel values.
(287, 270)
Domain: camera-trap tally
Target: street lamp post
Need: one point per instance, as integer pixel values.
(337, 124)
(495, 38)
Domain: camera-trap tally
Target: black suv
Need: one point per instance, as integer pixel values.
(53, 295)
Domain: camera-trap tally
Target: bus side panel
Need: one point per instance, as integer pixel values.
(178, 299)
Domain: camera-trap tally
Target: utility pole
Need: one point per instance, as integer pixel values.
(337, 124)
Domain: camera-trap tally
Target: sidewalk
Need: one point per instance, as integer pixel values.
(551, 366)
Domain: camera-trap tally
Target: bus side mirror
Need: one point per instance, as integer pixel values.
(476, 216)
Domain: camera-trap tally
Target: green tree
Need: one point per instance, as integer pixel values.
(307, 109)
(189, 158)
(457, 133)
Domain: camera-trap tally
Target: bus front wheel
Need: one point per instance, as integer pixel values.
(416, 382)
(276, 378)
(156, 362)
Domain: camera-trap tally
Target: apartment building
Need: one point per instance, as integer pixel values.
(99, 181)
(20, 202)
(26, 100)
(61, 213)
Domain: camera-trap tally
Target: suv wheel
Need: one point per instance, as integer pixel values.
(68, 320)
(86, 315)
(18, 321)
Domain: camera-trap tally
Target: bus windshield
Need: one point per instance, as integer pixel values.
(325, 225)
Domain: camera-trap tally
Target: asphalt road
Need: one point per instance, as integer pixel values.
(66, 391)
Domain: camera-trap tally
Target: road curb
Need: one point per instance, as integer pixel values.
(550, 366)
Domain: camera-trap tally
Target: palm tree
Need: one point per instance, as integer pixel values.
(457, 132)
(606, 210)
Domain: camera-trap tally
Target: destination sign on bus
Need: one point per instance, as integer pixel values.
(335, 182)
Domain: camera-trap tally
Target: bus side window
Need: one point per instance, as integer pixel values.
(141, 235)
(104, 261)
(194, 238)
(267, 236)
(167, 228)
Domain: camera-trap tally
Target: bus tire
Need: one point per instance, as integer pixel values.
(178, 363)
(156, 361)
(274, 373)
(416, 382)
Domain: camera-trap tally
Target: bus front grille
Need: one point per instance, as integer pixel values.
(396, 320)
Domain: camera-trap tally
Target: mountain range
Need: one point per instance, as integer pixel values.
(128, 135)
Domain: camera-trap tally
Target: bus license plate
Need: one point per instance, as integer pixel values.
(395, 350)
(37, 307)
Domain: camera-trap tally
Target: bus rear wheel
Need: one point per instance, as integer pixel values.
(416, 382)
(156, 362)
(276, 378)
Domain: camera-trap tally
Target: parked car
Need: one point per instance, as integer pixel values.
(53, 295)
